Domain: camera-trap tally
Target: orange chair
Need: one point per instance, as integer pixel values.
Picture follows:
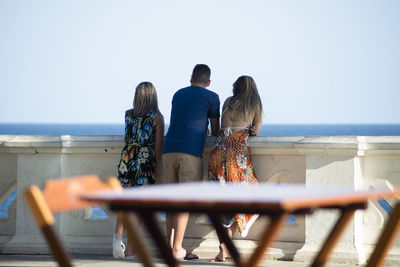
(64, 195)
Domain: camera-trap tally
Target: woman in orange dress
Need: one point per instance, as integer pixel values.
(230, 158)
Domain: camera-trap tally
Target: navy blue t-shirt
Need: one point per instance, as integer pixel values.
(191, 108)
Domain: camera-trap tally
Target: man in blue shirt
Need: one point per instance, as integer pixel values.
(192, 109)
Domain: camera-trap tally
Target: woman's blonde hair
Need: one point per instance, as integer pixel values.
(245, 100)
(145, 100)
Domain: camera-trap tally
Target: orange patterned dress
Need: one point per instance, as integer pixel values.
(230, 162)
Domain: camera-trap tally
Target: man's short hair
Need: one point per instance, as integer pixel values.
(201, 74)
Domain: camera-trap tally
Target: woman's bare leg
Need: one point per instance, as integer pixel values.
(120, 228)
(223, 250)
(117, 240)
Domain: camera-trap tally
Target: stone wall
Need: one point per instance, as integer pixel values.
(357, 162)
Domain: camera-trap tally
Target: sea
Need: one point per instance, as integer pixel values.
(118, 129)
(266, 129)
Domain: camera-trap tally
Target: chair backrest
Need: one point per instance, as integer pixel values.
(62, 195)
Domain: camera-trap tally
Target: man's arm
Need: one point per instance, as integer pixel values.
(214, 126)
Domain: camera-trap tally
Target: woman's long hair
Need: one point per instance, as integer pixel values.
(245, 100)
(145, 100)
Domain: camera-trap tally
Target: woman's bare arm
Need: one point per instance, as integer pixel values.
(159, 139)
(256, 126)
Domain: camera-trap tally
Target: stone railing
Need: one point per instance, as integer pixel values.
(357, 162)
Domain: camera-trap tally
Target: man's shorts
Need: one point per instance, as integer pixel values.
(181, 168)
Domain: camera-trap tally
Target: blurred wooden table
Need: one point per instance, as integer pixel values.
(275, 201)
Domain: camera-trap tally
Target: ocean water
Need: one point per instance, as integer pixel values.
(266, 129)
(60, 129)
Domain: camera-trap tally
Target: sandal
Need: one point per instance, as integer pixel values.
(190, 256)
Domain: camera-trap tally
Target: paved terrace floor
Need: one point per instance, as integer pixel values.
(103, 261)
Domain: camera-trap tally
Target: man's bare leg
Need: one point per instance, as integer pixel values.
(171, 226)
(181, 222)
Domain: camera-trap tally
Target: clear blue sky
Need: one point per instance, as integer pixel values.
(77, 61)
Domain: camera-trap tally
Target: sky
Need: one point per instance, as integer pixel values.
(79, 61)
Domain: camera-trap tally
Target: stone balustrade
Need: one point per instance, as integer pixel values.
(357, 162)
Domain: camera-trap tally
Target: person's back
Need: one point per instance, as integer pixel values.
(243, 110)
(140, 130)
(230, 119)
(140, 136)
(192, 107)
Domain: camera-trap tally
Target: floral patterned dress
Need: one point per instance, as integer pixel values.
(137, 166)
(230, 162)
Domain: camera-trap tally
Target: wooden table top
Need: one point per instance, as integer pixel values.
(261, 198)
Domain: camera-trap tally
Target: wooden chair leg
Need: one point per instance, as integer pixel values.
(268, 236)
(56, 246)
(333, 238)
(45, 219)
(386, 238)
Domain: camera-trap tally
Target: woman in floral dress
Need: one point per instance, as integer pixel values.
(141, 156)
(230, 159)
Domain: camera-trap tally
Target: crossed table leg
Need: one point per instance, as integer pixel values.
(268, 236)
(271, 232)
